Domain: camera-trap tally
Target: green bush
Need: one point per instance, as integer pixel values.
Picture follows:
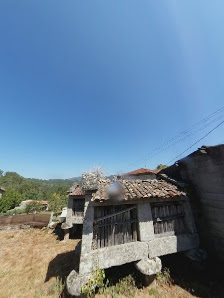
(95, 282)
(10, 199)
(33, 206)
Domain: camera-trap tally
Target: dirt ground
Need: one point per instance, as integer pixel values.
(35, 264)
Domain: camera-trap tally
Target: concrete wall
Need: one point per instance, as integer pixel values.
(203, 170)
(25, 219)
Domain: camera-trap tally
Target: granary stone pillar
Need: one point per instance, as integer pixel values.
(68, 222)
(85, 265)
(146, 229)
(76, 280)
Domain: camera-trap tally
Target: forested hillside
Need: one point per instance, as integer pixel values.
(19, 188)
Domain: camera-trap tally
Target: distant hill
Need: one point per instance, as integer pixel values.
(19, 188)
(68, 181)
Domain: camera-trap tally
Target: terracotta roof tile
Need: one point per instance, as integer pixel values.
(138, 189)
(141, 171)
(78, 191)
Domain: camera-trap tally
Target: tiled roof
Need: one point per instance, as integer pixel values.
(141, 171)
(138, 189)
(78, 191)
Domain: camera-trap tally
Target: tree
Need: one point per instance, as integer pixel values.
(10, 199)
(57, 202)
(33, 206)
(160, 167)
(53, 190)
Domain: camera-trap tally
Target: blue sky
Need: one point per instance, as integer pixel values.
(86, 83)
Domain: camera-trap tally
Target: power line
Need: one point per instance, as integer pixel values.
(185, 134)
(197, 141)
(162, 148)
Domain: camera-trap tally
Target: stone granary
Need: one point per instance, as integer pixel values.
(132, 221)
(2, 190)
(76, 201)
(75, 207)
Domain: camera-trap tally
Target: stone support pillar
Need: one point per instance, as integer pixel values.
(146, 229)
(87, 237)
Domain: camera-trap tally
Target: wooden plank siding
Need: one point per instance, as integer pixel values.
(114, 225)
(168, 217)
(78, 207)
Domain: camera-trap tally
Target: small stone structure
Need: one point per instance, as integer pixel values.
(2, 190)
(132, 221)
(75, 208)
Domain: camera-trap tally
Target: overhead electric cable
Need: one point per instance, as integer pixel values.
(197, 142)
(184, 134)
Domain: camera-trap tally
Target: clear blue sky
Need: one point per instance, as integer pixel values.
(84, 83)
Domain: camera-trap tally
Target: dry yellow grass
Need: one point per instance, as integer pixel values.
(33, 263)
(31, 260)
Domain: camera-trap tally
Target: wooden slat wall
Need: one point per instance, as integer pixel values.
(117, 229)
(168, 217)
(78, 207)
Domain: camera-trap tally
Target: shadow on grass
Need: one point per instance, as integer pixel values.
(115, 274)
(203, 280)
(74, 233)
(63, 264)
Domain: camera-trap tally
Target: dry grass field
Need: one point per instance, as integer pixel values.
(34, 264)
(31, 262)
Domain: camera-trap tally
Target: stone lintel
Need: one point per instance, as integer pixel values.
(135, 251)
(172, 244)
(120, 254)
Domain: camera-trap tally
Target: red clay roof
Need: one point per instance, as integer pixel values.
(141, 171)
(78, 191)
(139, 189)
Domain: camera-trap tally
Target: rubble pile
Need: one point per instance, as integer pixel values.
(90, 180)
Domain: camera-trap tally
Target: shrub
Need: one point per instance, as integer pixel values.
(96, 281)
(164, 278)
(33, 206)
(56, 288)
